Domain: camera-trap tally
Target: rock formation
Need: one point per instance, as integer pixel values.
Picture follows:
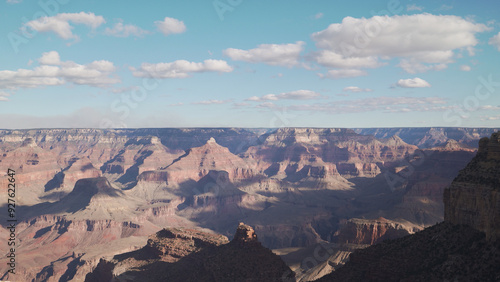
(364, 231)
(291, 152)
(197, 162)
(474, 196)
(428, 137)
(34, 167)
(465, 247)
(444, 252)
(87, 194)
(190, 255)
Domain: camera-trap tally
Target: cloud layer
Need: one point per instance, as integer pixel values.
(52, 71)
(293, 95)
(180, 68)
(271, 54)
(170, 26)
(413, 83)
(60, 23)
(125, 30)
(495, 41)
(422, 42)
(385, 104)
(356, 89)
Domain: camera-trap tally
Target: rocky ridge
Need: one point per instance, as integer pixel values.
(190, 255)
(428, 137)
(474, 196)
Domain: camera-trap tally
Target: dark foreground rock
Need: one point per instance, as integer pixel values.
(444, 252)
(190, 255)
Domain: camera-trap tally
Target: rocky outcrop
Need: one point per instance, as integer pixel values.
(167, 245)
(444, 252)
(474, 196)
(245, 237)
(172, 244)
(190, 255)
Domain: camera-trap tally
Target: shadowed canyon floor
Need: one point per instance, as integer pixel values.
(88, 194)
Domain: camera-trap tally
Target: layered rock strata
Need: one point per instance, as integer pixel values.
(474, 196)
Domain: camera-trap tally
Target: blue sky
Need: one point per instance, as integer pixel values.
(241, 63)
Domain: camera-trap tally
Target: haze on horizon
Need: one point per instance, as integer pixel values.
(74, 64)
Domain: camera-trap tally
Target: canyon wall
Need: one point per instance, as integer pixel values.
(474, 196)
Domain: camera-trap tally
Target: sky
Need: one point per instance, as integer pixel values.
(242, 63)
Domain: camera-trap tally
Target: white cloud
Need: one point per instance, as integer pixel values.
(334, 60)
(50, 58)
(60, 23)
(495, 41)
(293, 95)
(412, 83)
(180, 68)
(212, 102)
(318, 16)
(125, 30)
(356, 89)
(414, 66)
(343, 73)
(422, 41)
(465, 68)
(14, 1)
(170, 26)
(52, 71)
(271, 54)
(413, 7)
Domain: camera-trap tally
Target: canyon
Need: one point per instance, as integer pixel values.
(86, 196)
(464, 247)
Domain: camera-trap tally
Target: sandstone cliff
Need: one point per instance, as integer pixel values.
(474, 196)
